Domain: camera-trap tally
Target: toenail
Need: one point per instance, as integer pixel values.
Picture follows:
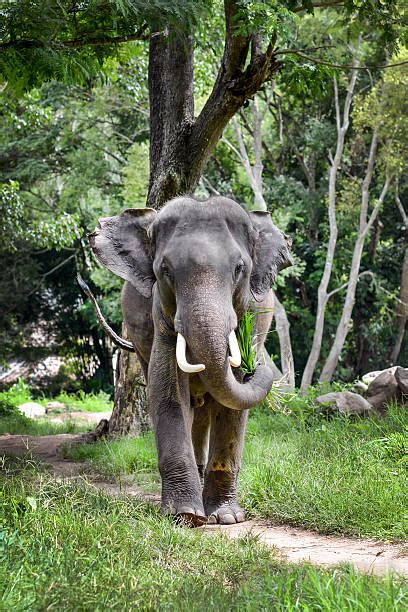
(227, 519)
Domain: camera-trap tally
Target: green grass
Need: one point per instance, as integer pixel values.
(16, 424)
(20, 393)
(67, 547)
(82, 402)
(117, 458)
(330, 473)
(333, 475)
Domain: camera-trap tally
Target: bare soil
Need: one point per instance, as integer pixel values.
(292, 544)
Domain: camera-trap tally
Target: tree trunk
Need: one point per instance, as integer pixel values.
(322, 293)
(130, 415)
(402, 311)
(365, 226)
(283, 331)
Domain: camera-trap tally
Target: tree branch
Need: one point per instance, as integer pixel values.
(75, 43)
(236, 82)
(316, 60)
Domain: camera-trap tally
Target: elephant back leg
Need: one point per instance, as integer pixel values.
(224, 461)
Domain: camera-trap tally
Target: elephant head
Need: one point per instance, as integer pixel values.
(203, 260)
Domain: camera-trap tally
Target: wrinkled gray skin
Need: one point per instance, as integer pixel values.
(193, 268)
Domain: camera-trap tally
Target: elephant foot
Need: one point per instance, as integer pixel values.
(186, 512)
(227, 513)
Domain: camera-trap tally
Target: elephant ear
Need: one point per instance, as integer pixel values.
(271, 253)
(121, 244)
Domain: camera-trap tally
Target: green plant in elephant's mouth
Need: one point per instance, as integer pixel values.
(246, 342)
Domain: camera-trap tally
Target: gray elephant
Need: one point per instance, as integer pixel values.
(191, 271)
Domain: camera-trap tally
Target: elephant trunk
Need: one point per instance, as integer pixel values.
(212, 348)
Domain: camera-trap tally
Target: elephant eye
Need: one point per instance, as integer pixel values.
(165, 269)
(239, 269)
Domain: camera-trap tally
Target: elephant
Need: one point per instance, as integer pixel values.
(191, 270)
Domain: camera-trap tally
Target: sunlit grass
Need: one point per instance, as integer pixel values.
(20, 393)
(17, 424)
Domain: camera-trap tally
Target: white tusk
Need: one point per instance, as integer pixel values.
(235, 358)
(182, 359)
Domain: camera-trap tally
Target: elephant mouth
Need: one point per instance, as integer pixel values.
(234, 358)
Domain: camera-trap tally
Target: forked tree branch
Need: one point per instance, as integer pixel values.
(236, 82)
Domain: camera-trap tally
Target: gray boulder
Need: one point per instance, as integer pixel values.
(383, 389)
(371, 376)
(32, 410)
(346, 402)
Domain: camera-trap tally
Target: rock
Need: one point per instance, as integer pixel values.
(385, 381)
(55, 406)
(32, 410)
(383, 389)
(371, 376)
(401, 376)
(346, 402)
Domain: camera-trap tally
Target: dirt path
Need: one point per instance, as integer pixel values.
(292, 544)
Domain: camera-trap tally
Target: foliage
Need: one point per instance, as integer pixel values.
(70, 42)
(83, 546)
(18, 394)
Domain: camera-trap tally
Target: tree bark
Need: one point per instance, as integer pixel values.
(180, 144)
(283, 331)
(130, 415)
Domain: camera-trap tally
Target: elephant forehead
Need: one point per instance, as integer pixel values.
(202, 246)
(215, 219)
(187, 210)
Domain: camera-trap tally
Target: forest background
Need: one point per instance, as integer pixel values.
(322, 145)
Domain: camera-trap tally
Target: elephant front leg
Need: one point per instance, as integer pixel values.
(200, 435)
(220, 484)
(169, 404)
